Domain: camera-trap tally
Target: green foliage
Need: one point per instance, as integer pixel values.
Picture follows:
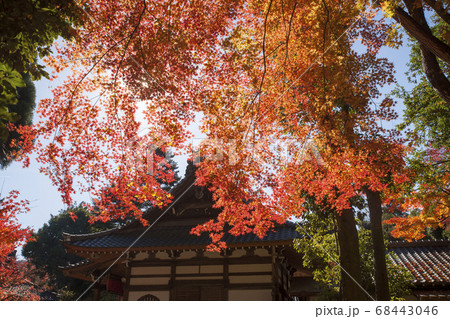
(26, 97)
(320, 251)
(24, 108)
(46, 252)
(319, 248)
(29, 28)
(427, 113)
(400, 280)
(171, 166)
(10, 81)
(426, 117)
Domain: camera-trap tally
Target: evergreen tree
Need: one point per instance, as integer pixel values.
(47, 253)
(24, 108)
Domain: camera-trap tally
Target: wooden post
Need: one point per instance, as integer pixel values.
(126, 288)
(96, 291)
(173, 274)
(275, 292)
(226, 278)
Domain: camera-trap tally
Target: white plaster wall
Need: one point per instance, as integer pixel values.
(150, 270)
(250, 268)
(200, 278)
(263, 279)
(187, 269)
(207, 269)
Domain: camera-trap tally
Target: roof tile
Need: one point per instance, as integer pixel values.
(428, 261)
(167, 236)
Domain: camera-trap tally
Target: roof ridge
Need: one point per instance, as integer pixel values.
(77, 237)
(419, 243)
(69, 237)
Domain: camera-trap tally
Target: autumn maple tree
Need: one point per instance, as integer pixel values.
(12, 234)
(269, 80)
(20, 280)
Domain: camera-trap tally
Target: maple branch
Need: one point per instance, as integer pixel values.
(438, 163)
(442, 204)
(288, 36)
(84, 76)
(93, 66)
(264, 61)
(264, 47)
(311, 65)
(123, 57)
(271, 52)
(323, 49)
(141, 52)
(128, 42)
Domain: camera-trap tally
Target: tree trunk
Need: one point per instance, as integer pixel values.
(349, 257)
(430, 64)
(440, 8)
(434, 74)
(423, 35)
(379, 249)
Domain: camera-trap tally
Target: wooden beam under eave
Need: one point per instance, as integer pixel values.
(101, 264)
(86, 251)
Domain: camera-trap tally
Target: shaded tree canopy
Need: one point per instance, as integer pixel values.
(29, 29)
(321, 252)
(47, 253)
(24, 108)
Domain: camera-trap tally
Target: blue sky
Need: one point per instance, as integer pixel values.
(44, 197)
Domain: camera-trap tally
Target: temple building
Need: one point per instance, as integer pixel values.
(166, 262)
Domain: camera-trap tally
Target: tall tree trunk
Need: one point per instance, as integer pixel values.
(430, 64)
(441, 8)
(379, 249)
(349, 257)
(421, 33)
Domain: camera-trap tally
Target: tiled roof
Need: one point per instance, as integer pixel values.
(177, 236)
(428, 261)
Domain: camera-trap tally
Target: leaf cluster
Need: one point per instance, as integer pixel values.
(29, 29)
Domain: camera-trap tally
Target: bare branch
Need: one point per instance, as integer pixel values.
(264, 46)
(288, 35)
